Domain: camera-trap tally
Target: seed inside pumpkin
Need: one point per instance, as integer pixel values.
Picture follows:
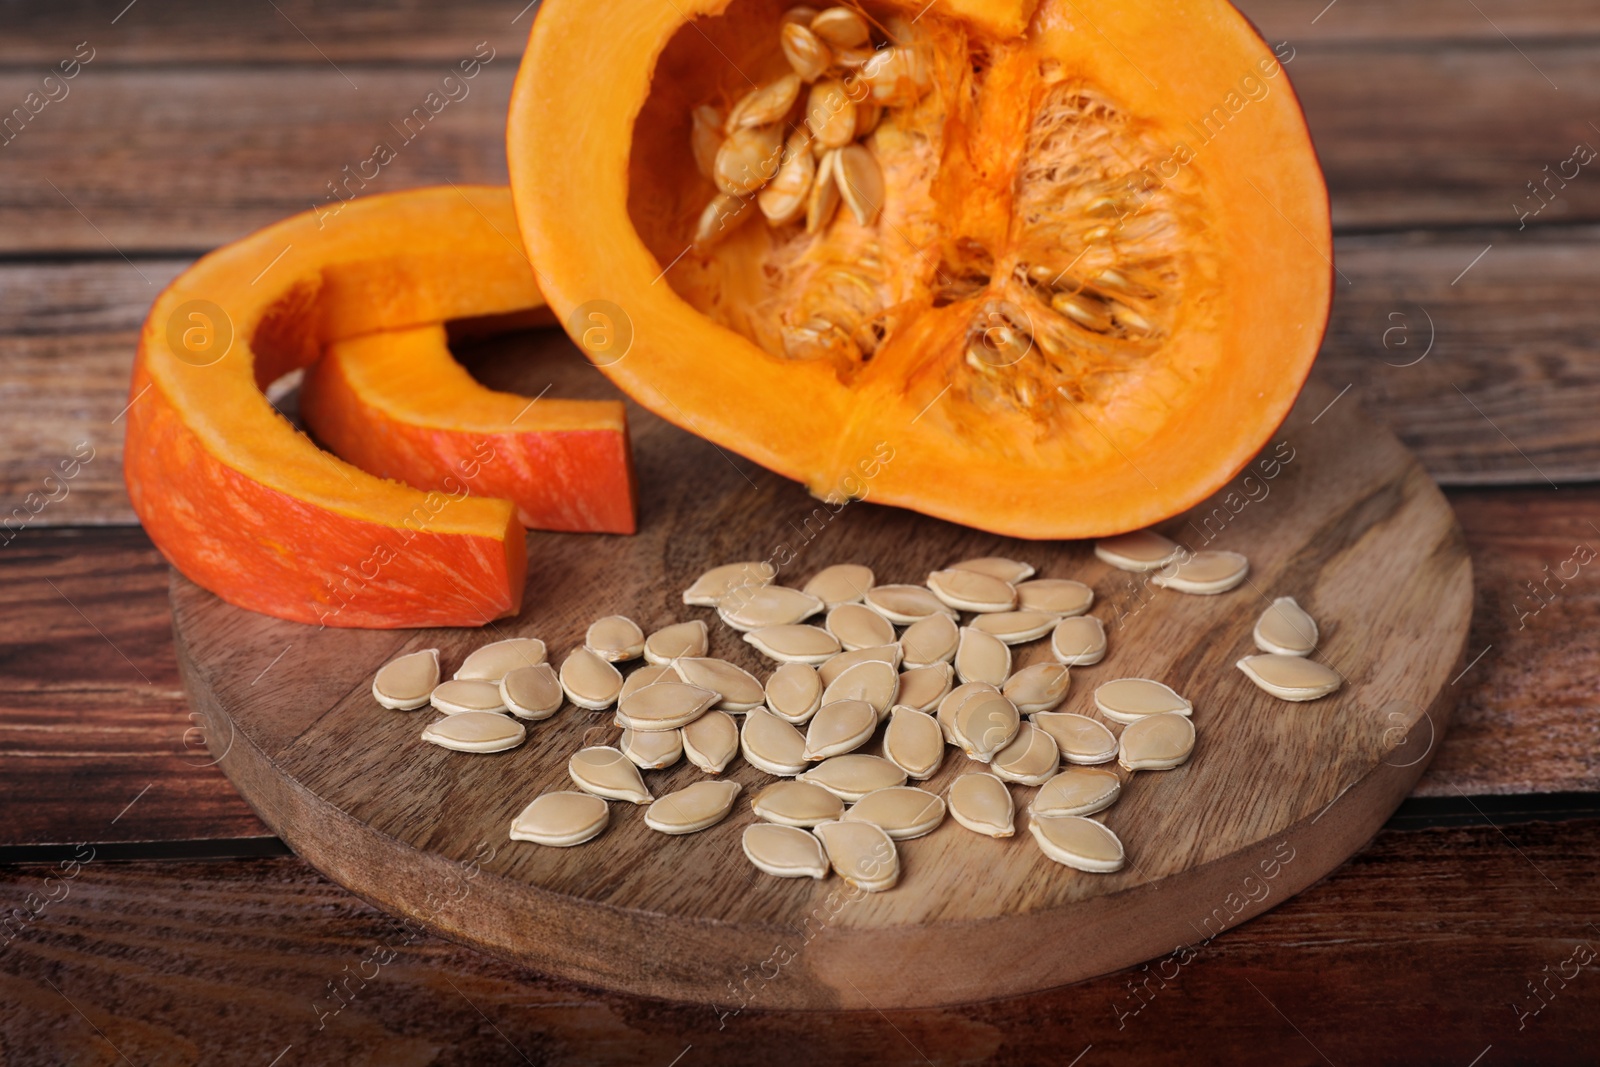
(982, 803)
(406, 683)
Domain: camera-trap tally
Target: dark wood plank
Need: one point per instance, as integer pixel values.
(1410, 136)
(1420, 950)
(96, 739)
(1376, 22)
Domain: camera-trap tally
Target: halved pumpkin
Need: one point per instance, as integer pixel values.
(398, 405)
(243, 503)
(1084, 273)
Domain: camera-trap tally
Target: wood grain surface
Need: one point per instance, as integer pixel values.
(1420, 950)
(1350, 525)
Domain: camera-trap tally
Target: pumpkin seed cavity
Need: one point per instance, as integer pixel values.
(784, 851)
(476, 731)
(693, 808)
(494, 661)
(1291, 677)
(561, 819)
(1286, 629)
(407, 683)
(982, 803)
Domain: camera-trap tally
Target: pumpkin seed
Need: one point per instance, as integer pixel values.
(736, 688)
(1082, 308)
(476, 731)
(1058, 596)
(905, 604)
(1015, 627)
(874, 682)
(1157, 743)
(862, 854)
(754, 607)
(982, 803)
(784, 851)
(1141, 550)
(913, 742)
(922, 688)
(1129, 699)
(497, 659)
(692, 808)
(1079, 843)
(1081, 739)
(454, 698)
(561, 819)
(796, 804)
(1009, 571)
(972, 591)
(406, 683)
(805, 51)
(606, 772)
(982, 657)
(664, 706)
(840, 727)
(897, 76)
(1079, 642)
(765, 105)
(985, 726)
(836, 666)
(903, 812)
(680, 639)
(1031, 759)
(841, 27)
(705, 138)
(1291, 677)
(716, 583)
(772, 745)
(824, 199)
(950, 707)
(930, 640)
(842, 583)
(857, 626)
(724, 214)
(1077, 791)
(1205, 573)
(748, 159)
(651, 750)
(854, 774)
(860, 179)
(589, 681)
(794, 693)
(796, 643)
(868, 112)
(648, 675)
(785, 198)
(615, 638)
(831, 114)
(532, 692)
(711, 741)
(1285, 629)
(1040, 687)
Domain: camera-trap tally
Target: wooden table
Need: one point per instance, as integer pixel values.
(148, 917)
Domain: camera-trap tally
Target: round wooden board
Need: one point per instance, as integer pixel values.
(1276, 795)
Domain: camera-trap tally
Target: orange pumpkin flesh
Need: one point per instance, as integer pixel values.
(398, 405)
(243, 503)
(1098, 280)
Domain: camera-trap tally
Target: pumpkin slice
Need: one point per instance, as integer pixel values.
(1070, 273)
(398, 405)
(247, 506)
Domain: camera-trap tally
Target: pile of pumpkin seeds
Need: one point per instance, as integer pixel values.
(855, 661)
(794, 146)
